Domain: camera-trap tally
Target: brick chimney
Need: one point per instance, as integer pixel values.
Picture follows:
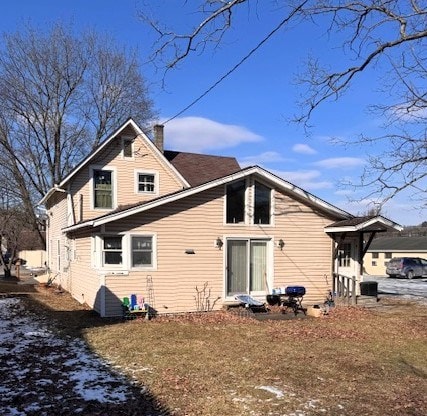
(159, 136)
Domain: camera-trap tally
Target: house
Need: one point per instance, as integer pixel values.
(189, 231)
(385, 248)
(31, 249)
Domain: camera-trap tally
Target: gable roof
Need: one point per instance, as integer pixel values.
(198, 168)
(280, 183)
(105, 143)
(399, 244)
(365, 223)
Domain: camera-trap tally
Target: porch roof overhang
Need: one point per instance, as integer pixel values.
(359, 225)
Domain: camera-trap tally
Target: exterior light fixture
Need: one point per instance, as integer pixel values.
(219, 243)
(281, 244)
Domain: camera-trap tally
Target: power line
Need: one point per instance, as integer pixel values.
(245, 58)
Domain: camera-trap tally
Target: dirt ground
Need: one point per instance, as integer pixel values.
(354, 361)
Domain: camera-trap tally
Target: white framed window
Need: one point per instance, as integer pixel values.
(236, 202)
(112, 251)
(146, 182)
(248, 202)
(121, 252)
(103, 187)
(262, 203)
(142, 254)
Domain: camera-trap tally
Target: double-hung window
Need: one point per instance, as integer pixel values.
(102, 188)
(121, 252)
(142, 251)
(112, 251)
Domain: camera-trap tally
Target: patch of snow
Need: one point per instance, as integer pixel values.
(65, 364)
(410, 289)
(278, 393)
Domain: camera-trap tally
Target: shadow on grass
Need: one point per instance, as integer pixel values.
(66, 317)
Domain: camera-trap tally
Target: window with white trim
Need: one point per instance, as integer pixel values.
(102, 188)
(112, 251)
(235, 202)
(124, 252)
(146, 182)
(142, 251)
(262, 204)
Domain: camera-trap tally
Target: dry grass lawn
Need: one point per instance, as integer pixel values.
(351, 362)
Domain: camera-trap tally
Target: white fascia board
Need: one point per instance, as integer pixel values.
(101, 147)
(167, 199)
(49, 193)
(282, 183)
(221, 181)
(139, 132)
(361, 226)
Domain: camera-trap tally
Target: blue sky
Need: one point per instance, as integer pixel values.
(247, 115)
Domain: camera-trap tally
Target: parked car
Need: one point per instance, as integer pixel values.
(408, 267)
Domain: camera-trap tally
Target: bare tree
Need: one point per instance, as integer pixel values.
(387, 36)
(60, 94)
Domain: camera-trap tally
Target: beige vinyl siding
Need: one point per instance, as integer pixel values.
(195, 223)
(56, 241)
(306, 258)
(85, 279)
(145, 160)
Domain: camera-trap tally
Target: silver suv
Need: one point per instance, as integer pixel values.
(408, 267)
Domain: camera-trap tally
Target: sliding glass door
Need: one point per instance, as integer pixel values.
(246, 266)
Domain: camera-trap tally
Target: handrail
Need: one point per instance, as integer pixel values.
(344, 288)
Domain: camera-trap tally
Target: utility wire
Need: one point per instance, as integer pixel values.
(245, 58)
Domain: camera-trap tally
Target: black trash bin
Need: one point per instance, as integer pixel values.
(369, 288)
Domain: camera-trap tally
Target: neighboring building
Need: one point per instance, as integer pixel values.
(191, 231)
(31, 249)
(383, 249)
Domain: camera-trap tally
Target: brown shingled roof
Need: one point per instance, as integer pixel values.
(352, 221)
(198, 168)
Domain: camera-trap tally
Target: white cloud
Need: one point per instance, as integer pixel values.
(340, 163)
(308, 180)
(304, 149)
(266, 157)
(198, 134)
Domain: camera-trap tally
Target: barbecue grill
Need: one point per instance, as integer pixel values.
(290, 299)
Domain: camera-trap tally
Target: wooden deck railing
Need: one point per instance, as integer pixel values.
(344, 288)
